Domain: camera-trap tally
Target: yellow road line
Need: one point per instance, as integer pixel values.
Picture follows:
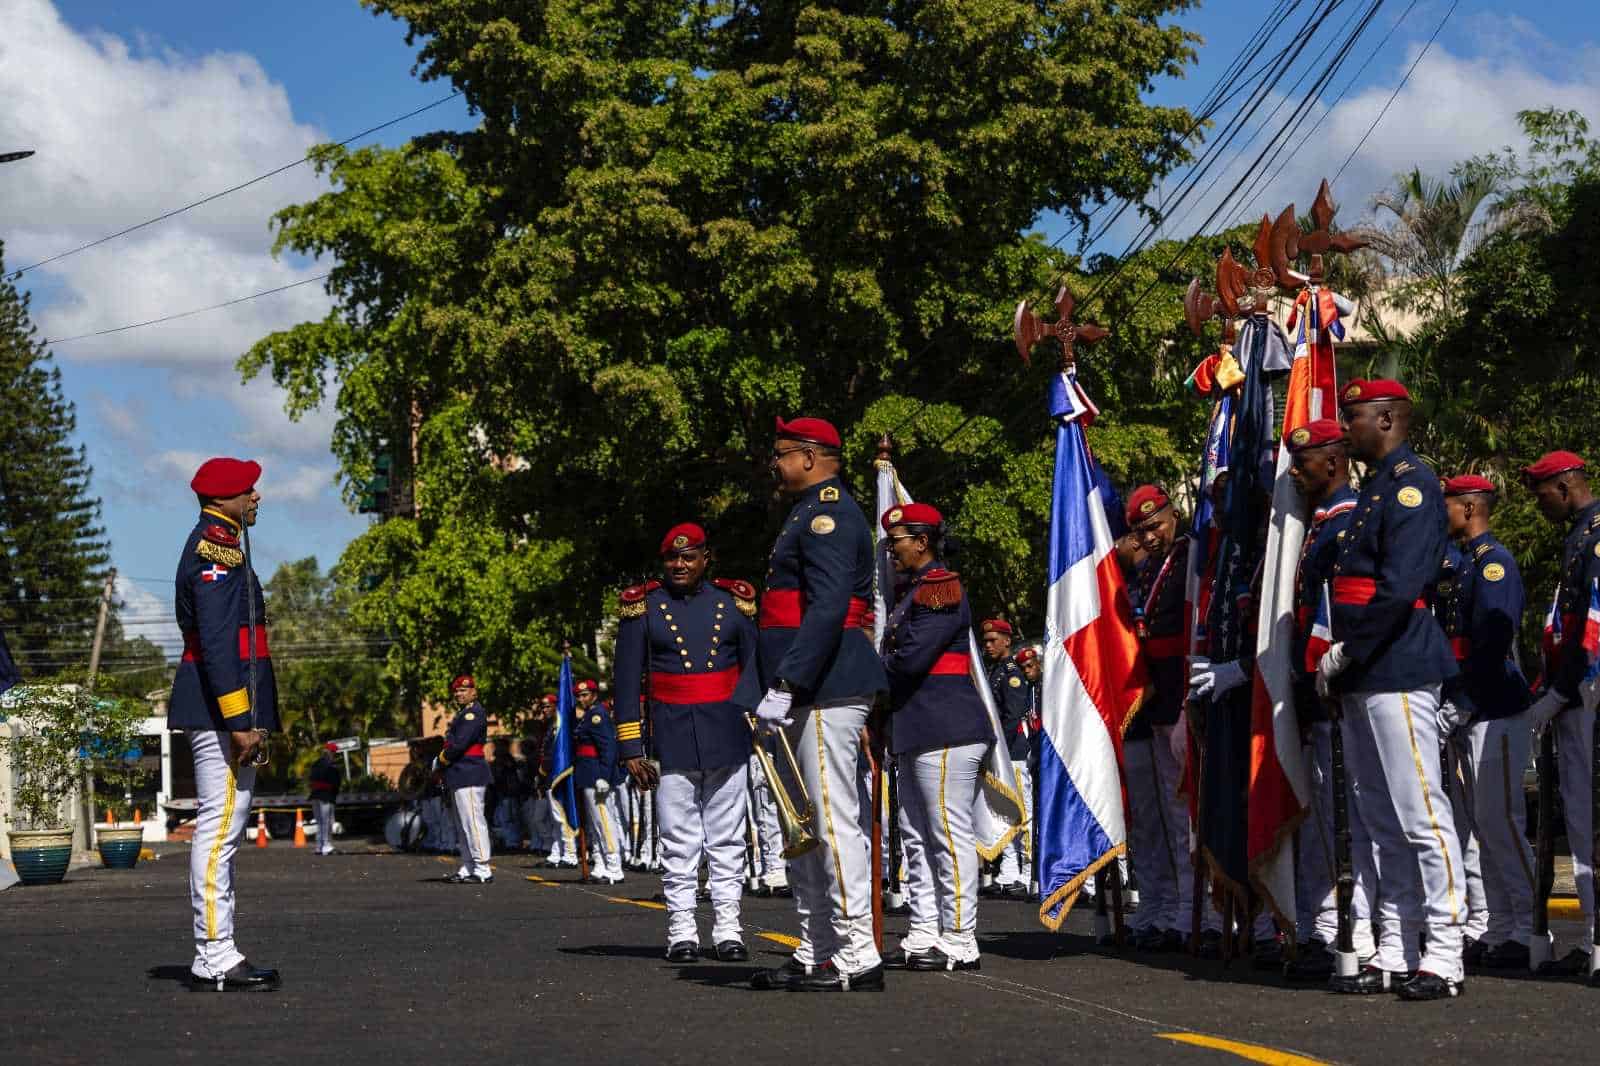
(647, 903)
(542, 881)
(781, 938)
(1251, 1052)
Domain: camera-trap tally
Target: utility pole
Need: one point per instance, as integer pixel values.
(94, 670)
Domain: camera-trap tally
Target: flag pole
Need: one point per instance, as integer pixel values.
(583, 836)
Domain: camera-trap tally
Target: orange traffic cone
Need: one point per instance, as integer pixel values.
(261, 829)
(299, 829)
(110, 820)
(138, 816)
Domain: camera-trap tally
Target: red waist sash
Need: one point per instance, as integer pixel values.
(1359, 591)
(473, 749)
(192, 652)
(1168, 647)
(586, 751)
(952, 664)
(783, 609)
(694, 688)
(1461, 648)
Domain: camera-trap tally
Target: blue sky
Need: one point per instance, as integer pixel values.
(137, 108)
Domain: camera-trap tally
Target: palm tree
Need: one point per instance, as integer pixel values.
(1433, 231)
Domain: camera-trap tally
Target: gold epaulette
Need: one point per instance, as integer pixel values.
(216, 553)
(940, 590)
(743, 593)
(632, 599)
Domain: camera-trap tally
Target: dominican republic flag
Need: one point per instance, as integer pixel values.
(1094, 675)
(561, 787)
(213, 573)
(1589, 690)
(1000, 813)
(1320, 637)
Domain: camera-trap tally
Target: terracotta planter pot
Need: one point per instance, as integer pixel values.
(41, 855)
(119, 848)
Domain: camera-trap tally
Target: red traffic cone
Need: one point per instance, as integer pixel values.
(299, 829)
(261, 829)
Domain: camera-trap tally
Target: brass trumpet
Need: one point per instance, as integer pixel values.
(797, 839)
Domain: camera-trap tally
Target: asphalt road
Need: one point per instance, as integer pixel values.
(383, 963)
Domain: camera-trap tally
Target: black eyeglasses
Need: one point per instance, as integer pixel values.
(779, 454)
(904, 536)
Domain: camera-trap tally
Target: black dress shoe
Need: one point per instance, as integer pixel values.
(1172, 940)
(900, 911)
(242, 978)
(732, 951)
(1370, 982)
(779, 976)
(684, 951)
(1267, 955)
(935, 959)
(1511, 955)
(1313, 962)
(827, 978)
(1016, 890)
(1472, 952)
(898, 959)
(474, 879)
(453, 879)
(1211, 943)
(1151, 939)
(1574, 963)
(993, 891)
(784, 892)
(1427, 986)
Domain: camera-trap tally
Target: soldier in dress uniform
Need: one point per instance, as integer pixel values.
(1487, 710)
(940, 734)
(1012, 700)
(682, 646)
(563, 852)
(1560, 484)
(1321, 472)
(595, 774)
(323, 783)
(1158, 836)
(817, 676)
(1387, 666)
(1031, 665)
(225, 700)
(466, 779)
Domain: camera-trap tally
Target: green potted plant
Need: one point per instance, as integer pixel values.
(119, 773)
(50, 731)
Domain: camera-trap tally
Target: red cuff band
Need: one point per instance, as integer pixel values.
(694, 688)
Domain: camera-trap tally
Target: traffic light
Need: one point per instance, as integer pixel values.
(375, 494)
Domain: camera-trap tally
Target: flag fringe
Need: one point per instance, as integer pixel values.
(1067, 894)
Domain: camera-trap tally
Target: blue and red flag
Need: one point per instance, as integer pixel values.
(1094, 675)
(561, 784)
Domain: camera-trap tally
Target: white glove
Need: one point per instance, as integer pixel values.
(1216, 679)
(435, 767)
(1331, 665)
(601, 787)
(1451, 718)
(1544, 709)
(773, 711)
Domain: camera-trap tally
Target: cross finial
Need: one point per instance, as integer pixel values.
(1027, 329)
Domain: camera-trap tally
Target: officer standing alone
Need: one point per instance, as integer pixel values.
(324, 781)
(466, 779)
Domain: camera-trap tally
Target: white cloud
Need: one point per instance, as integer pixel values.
(146, 614)
(299, 484)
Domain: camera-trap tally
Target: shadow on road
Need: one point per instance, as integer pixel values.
(616, 951)
(175, 974)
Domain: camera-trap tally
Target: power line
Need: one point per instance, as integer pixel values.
(228, 191)
(188, 314)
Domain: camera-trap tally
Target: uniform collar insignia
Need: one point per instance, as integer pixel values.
(219, 516)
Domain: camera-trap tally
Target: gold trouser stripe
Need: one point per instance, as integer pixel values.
(949, 841)
(215, 859)
(1518, 841)
(1427, 805)
(827, 815)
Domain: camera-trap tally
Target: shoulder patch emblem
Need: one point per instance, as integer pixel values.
(829, 495)
(1410, 496)
(822, 525)
(1016, 682)
(1494, 572)
(744, 594)
(595, 720)
(1597, 549)
(216, 553)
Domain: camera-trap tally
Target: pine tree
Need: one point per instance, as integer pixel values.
(53, 548)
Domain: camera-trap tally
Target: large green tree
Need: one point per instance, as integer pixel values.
(574, 324)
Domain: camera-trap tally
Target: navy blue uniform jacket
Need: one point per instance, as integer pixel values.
(211, 689)
(684, 652)
(927, 657)
(1317, 555)
(325, 778)
(1580, 569)
(462, 757)
(1158, 599)
(594, 747)
(1012, 703)
(1479, 603)
(1383, 579)
(816, 613)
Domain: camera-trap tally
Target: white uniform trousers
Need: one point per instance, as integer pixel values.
(1460, 782)
(832, 884)
(1575, 754)
(1495, 755)
(702, 814)
(222, 810)
(1159, 834)
(771, 866)
(471, 829)
(938, 795)
(325, 812)
(563, 837)
(605, 834)
(1316, 901)
(1394, 759)
(1015, 866)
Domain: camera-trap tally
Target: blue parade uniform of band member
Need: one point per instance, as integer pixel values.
(815, 641)
(595, 775)
(1012, 700)
(466, 779)
(683, 652)
(940, 733)
(323, 781)
(1396, 660)
(216, 593)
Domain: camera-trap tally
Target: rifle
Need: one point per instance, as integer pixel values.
(896, 846)
(1540, 948)
(1346, 964)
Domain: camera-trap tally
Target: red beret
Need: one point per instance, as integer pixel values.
(1551, 464)
(681, 536)
(587, 685)
(1359, 391)
(912, 514)
(221, 478)
(1146, 501)
(1316, 434)
(548, 697)
(996, 625)
(462, 681)
(331, 746)
(813, 430)
(1027, 655)
(1465, 483)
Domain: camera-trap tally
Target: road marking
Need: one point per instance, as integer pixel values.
(781, 938)
(541, 881)
(1252, 1052)
(649, 904)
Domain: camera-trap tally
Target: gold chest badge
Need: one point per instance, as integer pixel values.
(822, 525)
(1410, 496)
